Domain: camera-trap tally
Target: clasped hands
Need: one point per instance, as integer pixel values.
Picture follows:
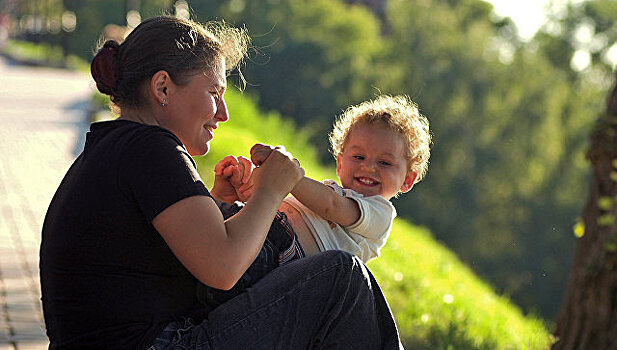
(270, 169)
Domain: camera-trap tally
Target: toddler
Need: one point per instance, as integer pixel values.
(382, 148)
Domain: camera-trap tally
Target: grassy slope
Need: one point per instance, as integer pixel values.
(437, 301)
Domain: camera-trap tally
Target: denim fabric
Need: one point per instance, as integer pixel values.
(326, 301)
(182, 335)
(266, 261)
(277, 241)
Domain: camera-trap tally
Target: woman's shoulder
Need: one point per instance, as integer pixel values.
(125, 135)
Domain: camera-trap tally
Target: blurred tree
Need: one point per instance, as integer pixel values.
(93, 15)
(312, 58)
(501, 189)
(588, 317)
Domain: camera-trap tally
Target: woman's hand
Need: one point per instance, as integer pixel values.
(218, 251)
(276, 171)
(232, 181)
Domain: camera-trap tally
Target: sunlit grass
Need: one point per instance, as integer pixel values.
(43, 54)
(438, 302)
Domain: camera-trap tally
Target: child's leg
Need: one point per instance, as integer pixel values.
(292, 250)
(280, 247)
(266, 261)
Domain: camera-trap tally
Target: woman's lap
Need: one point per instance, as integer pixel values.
(329, 300)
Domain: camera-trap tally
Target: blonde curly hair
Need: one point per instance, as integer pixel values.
(399, 113)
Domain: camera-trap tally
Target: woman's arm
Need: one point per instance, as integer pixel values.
(215, 251)
(325, 202)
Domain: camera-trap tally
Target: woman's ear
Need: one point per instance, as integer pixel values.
(410, 180)
(159, 84)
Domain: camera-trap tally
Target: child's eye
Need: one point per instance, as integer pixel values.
(358, 157)
(385, 163)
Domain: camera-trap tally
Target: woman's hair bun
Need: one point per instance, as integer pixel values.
(104, 67)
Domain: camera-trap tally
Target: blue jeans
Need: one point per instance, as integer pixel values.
(280, 241)
(326, 301)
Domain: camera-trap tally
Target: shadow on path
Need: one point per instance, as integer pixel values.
(82, 124)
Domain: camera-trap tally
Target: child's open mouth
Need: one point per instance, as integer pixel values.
(366, 181)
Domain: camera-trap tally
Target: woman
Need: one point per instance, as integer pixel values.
(132, 230)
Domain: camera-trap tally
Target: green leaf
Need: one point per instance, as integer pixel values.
(605, 203)
(579, 228)
(606, 220)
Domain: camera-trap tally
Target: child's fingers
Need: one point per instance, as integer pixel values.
(224, 163)
(259, 153)
(257, 146)
(229, 171)
(246, 166)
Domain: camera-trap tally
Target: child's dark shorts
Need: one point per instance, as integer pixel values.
(281, 246)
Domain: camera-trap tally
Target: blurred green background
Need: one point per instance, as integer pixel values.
(510, 116)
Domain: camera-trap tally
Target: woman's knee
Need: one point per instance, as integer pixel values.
(336, 257)
(343, 263)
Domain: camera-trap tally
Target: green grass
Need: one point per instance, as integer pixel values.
(440, 304)
(43, 54)
(437, 301)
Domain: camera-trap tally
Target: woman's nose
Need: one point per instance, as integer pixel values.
(221, 111)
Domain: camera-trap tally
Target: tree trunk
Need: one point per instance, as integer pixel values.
(588, 315)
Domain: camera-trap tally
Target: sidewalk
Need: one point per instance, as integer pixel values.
(42, 119)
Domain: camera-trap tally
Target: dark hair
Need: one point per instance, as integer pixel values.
(178, 46)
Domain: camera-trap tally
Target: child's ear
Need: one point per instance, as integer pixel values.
(410, 179)
(339, 157)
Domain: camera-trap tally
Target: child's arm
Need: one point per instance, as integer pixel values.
(325, 202)
(318, 197)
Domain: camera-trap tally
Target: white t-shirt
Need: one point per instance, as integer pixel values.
(365, 237)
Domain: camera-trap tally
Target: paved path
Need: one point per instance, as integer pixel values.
(42, 123)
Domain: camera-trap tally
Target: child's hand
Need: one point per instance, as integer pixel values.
(242, 176)
(259, 153)
(232, 179)
(276, 170)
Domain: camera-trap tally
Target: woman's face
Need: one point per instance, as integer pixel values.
(196, 108)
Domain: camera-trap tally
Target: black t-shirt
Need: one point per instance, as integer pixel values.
(108, 279)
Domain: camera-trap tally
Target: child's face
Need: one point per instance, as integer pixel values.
(373, 162)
